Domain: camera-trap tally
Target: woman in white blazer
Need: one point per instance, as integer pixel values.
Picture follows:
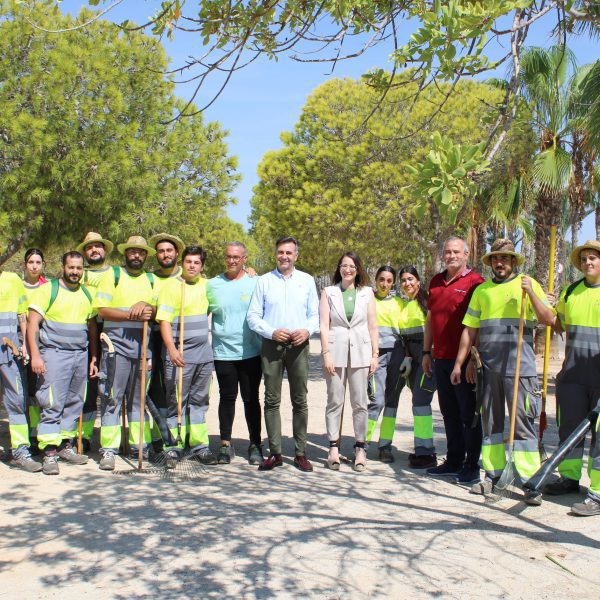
(349, 343)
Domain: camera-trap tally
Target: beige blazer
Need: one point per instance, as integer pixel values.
(349, 342)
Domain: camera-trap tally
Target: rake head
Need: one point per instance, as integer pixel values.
(502, 489)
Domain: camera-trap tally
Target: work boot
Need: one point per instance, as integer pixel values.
(255, 454)
(205, 456)
(224, 457)
(468, 475)
(444, 470)
(532, 497)
(385, 455)
(157, 446)
(563, 485)
(50, 466)
(588, 508)
(425, 461)
(107, 462)
(69, 455)
(485, 487)
(27, 463)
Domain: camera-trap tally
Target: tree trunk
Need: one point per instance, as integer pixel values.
(14, 246)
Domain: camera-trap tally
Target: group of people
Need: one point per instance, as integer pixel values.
(98, 330)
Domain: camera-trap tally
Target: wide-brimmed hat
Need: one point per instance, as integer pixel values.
(166, 237)
(136, 241)
(502, 246)
(94, 238)
(589, 245)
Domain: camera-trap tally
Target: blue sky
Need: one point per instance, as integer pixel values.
(266, 98)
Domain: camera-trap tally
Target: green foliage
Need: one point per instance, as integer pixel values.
(447, 176)
(340, 184)
(82, 140)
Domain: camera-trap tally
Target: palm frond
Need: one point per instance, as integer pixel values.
(552, 170)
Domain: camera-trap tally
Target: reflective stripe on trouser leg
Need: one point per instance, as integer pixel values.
(171, 379)
(14, 403)
(376, 391)
(126, 381)
(423, 388)
(75, 399)
(198, 393)
(393, 387)
(493, 455)
(90, 409)
(574, 403)
(61, 386)
(133, 410)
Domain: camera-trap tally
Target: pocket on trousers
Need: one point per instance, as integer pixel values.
(533, 402)
(43, 394)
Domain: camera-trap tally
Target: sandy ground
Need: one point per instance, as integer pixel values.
(236, 533)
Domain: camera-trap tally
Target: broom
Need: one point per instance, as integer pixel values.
(543, 419)
(502, 488)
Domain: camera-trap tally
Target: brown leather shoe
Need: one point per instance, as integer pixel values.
(272, 461)
(302, 463)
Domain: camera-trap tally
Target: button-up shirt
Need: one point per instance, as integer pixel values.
(280, 302)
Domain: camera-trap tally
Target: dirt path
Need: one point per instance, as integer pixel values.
(235, 532)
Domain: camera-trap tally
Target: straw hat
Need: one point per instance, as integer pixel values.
(136, 241)
(95, 238)
(165, 237)
(589, 245)
(502, 246)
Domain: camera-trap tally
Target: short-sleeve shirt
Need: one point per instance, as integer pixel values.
(388, 312)
(196, 347)
(126, 336)
(495, 310)
(13, 302)
(65, 321)
(228, 301)
(580, 318)
(447, 305)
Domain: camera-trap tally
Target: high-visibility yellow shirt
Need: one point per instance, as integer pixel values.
(65, 321)
(495, 310)
(388, 313)
(13, 302)
(196, 348)
(580, 318)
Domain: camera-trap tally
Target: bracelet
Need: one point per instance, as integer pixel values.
(426, 352)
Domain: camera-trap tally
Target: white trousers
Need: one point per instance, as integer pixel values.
(356, 380)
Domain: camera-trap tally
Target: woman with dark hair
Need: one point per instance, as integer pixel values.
(412, 323)
(350, 354)
(32, 279)
(383, 387)
(33, 273)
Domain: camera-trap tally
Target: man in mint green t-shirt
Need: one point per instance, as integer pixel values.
(236, 350)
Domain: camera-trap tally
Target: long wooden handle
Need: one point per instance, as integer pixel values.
(180, 382)
(513, 412)
(548, 328)
(143, 396)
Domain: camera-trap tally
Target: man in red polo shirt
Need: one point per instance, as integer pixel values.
(449, 295)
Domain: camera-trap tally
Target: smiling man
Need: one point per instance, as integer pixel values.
(494, 313)
(284, 311)
(578, 383)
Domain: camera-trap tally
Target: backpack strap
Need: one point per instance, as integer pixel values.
(53, 292)
(86, 292)
(572, 287)
(116, 274)
(150, 277)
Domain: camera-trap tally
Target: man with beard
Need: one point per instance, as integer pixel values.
(125, 300)
(494, 312)
(168, 250)
(95, 249)
(60, 318)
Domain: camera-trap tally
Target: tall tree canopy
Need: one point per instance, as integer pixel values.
(342, 184)
(83, 144)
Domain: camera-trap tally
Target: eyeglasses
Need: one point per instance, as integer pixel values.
(348, 267)
(234, 258)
